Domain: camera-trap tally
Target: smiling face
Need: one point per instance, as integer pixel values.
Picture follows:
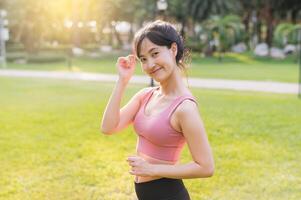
(157, 61)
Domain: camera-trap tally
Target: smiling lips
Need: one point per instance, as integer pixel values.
(156, 70)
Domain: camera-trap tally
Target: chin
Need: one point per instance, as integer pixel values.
(160, 79)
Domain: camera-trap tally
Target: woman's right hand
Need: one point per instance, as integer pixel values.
(126, 67)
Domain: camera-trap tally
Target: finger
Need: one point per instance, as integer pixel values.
(130, 57)
(133, 62)
(136, 172)
(129, 60)
(120, 59)
(135, 164)
(126, 62)
(134, 169)
(132, 164)
(133, 158)
(130, 159)
(123, 62)
(132, 172)
(133, 59)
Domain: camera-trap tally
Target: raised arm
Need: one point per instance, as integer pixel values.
(115, 119)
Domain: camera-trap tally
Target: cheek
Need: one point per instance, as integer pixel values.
(161, 60)
(167, 62)
(167, 58)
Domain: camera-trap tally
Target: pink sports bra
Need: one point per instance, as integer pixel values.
(156, 137)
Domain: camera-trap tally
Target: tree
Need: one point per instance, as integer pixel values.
(225, 31)
(269, 13)
(287, 33)
(196, 11)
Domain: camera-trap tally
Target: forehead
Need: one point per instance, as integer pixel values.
(146, 46)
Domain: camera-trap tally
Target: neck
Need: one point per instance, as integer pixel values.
(173, 85)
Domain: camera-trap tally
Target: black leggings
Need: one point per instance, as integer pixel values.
(162, 189)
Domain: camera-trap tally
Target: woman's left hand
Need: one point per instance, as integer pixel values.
(140, 167)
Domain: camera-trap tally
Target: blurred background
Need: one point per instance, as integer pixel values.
(50, 143)
(53, 31)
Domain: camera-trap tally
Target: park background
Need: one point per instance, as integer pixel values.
(51, 146)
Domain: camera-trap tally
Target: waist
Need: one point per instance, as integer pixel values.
(165, 153)
(142, 179)
(167, 182)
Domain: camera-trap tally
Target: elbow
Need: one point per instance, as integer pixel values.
(106, 131)
(209, 171)
(206, 171)
(108, 128)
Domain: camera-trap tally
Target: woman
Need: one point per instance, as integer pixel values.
(164, 117)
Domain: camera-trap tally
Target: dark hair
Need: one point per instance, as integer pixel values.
(163, 34)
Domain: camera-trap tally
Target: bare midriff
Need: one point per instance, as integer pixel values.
(141, 179)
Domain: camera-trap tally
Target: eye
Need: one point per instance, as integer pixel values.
(155, 54)
(143, 60)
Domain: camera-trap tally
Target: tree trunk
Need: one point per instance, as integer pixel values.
(131, 33)
(246, 20)
(183, 23)
(270, 25)
(259, 33)
(20, 31)
(294, 15)
(117, 36)
(75, 30)
(30, 35)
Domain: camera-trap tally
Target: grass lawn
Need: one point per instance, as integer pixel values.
(51, 147)
(234, 66)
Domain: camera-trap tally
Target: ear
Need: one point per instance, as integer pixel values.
(174, 49)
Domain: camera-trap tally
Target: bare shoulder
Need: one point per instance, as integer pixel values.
(142, 92)
(187, 108)
(187, 114)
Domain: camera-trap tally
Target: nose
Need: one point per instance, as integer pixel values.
(150, 64)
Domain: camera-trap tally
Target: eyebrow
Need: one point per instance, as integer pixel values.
(148, 51)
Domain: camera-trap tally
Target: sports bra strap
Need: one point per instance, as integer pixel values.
(177, 102)
(148, 95)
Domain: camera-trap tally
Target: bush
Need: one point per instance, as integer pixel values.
(45, 57)
(14, 47)
(194, 45)
(12, 56)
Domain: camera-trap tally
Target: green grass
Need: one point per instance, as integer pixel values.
(51, 147)
(234, 66)
(246, 67)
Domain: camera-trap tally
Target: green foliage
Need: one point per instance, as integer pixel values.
(225, 31)
(34, 23)
(41, 57)
(13, 56)
(14, 46)
(287, 33)
(194, 44)
(45, 58)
